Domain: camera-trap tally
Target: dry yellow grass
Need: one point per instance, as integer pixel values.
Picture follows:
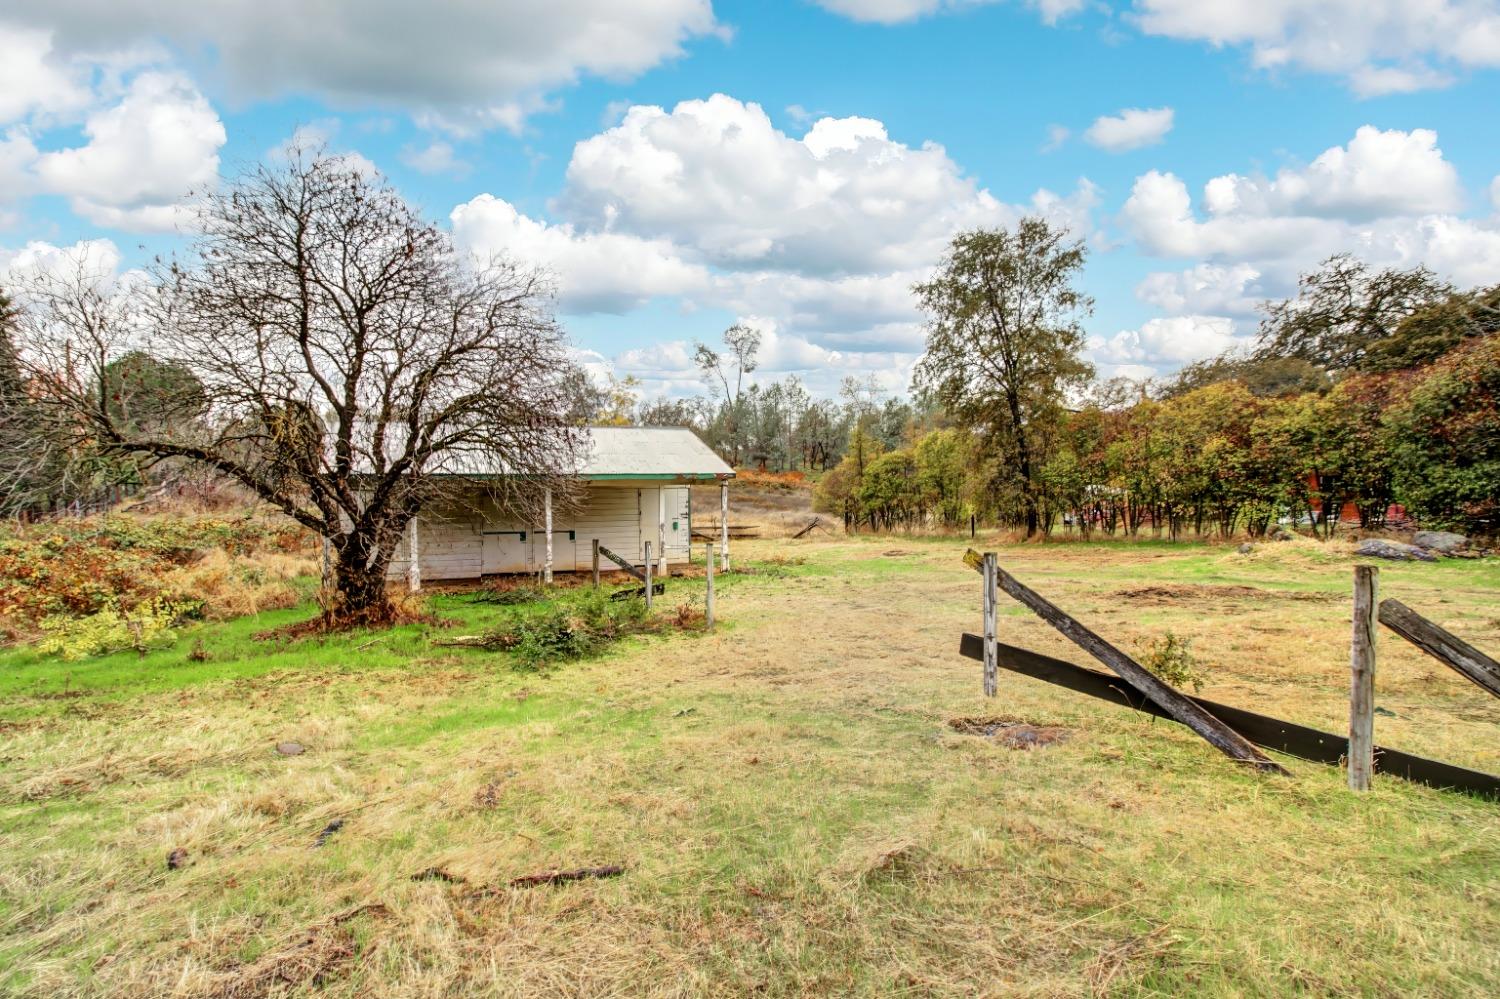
(794, 812)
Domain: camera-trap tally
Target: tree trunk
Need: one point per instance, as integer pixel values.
(360, 596)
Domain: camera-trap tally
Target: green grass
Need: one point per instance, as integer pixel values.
(794, 813)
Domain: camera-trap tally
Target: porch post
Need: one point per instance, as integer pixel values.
(547, 515)
(724, 523)
(661, 532)
(414, 567)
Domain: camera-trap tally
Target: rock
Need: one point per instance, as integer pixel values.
(290, 748)
(1246, 548)
(1442, 542)
(1393, 551)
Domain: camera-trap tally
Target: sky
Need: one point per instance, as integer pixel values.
(682, 165)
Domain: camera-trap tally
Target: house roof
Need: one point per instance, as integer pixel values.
(674, 453)
(650, 453)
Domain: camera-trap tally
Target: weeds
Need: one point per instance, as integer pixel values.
(146, 627)
(1171, 659)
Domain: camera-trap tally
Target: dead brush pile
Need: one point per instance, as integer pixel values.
(63, 571)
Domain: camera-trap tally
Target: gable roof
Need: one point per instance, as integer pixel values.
(649, 453)
(674, 453)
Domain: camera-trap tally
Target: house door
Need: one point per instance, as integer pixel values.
(503, 551)
(679, 521)
(648, 510)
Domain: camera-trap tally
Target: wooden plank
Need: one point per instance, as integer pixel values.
(708, 593)
(649, 589)
(596, 563)
(617, 560)
(1441, 644)
(1177, 705)
(1272, 733)
(724, 524)
(1362, 680)
(989, 568)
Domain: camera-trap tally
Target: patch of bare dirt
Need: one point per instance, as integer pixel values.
(1011, 733)
(1169, 593)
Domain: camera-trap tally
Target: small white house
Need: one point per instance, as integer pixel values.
(636, 489)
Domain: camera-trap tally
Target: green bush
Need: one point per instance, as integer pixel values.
(1171, 658)
(146, 627)
(571, 630)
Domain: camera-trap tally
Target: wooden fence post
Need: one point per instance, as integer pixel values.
(547, 565)
(596, 563)
(414, 566)
(647, 556)
(1362, 679)
(991, 612)
(724, 523)
(708, 596)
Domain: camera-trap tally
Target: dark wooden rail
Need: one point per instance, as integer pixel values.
(1272, 733)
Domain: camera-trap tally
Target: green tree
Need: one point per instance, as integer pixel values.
(1004, 336)
(942, 459)
(1429, 333)
(1445, 440)
(1343, 309)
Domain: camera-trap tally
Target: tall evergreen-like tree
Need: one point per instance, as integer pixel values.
(1004, 337)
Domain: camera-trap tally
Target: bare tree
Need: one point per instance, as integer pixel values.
(743, 346)
(351, 367)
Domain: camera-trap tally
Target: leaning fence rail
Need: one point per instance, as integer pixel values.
(1229, 728)
(1442, 645)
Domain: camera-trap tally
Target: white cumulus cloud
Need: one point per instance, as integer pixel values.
(482, 63)
(596, 272)
(1379, 46)
(1220, 289)
(144, 156)
(899, 11)
(1130, 129)
(718, 176)
(1169, 341)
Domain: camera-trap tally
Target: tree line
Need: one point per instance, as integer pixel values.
(326, 348)
(1367, 391)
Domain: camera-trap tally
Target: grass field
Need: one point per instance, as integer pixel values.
(793, 811)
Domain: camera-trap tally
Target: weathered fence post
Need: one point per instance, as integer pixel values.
(1362, 680)
(647, 557)
(708, 594)
(991, 597)
(414, 565)
(724, 523)
(596, 563)
(547, 565)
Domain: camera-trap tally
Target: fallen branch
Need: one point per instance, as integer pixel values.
(812, 525)
(438, 874)
(558, 877)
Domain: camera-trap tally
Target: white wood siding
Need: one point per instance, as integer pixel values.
(451, 544)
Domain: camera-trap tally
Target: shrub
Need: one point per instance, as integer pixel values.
(1171, 659)
(146, 627)
(83, 568)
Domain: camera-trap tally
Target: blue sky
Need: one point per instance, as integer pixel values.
(681, 165)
